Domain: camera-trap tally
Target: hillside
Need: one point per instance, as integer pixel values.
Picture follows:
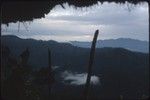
(119, 69)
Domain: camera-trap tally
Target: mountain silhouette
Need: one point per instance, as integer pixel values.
(120, 70)
(127, 43)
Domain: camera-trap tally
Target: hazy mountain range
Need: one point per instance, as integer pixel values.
(38, 50)
(118, 69)
(127, 43)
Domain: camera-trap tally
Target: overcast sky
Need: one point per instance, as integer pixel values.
(112, 20)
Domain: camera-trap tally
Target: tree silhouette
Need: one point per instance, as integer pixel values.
(18, 85)
(24, 57)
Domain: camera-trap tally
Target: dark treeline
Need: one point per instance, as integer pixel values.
(123, 73)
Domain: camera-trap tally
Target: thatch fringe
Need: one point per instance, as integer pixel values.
(27, 11)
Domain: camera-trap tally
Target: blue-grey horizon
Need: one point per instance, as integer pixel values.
(70, 24)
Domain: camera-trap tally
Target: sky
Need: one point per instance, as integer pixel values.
(79, 24)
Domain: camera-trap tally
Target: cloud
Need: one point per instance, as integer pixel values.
(78, 79)
(106, 14)
(55, 67)
(113, 20)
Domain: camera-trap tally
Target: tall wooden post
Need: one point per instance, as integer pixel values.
(50, 72)
(92, 52)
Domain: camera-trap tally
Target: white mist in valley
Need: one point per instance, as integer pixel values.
(78, 78)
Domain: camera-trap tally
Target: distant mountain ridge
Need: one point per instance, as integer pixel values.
(119, 69)
(38, 50)
(127, 43)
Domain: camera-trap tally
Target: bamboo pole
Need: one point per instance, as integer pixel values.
(50, 72)
(91, 59)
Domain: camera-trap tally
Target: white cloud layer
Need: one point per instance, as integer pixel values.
(79, 79)
(113, 20)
